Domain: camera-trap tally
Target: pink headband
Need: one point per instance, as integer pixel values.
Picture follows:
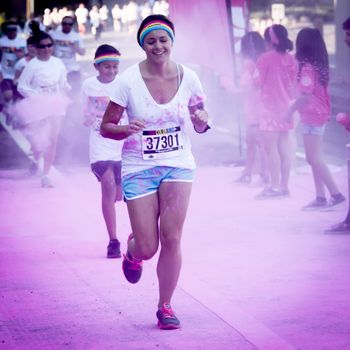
(273, 37)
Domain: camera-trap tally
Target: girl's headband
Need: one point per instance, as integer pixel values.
(273, 36)
(107, 57)
(155, 25)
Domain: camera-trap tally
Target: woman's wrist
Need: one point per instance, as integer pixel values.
(202, 128)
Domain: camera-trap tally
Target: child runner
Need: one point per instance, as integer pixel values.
(31, 53)
(157, 162)
(252, 46)
(105, 154)
(276, 79)
(313, 104)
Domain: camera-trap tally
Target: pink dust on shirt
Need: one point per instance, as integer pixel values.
(252, 104)
(317, 109)
(277, 81)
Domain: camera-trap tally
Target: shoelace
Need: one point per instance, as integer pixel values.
(135, 265)
(167, 311)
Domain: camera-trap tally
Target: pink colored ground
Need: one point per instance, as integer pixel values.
(256, 274)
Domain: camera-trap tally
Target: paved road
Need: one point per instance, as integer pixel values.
(256, 274)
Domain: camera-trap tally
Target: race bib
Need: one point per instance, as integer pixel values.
(161, 143)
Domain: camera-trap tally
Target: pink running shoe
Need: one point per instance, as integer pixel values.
(132, 268)
(166, 318)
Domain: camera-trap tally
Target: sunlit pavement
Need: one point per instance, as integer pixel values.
(256, 274)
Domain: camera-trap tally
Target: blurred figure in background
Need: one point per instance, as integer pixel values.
(117, 17)
(344, 226)
(12, 48)
(276, 78)
(67, 44)
(31, 53)
(252, 46)
(104, 16)
(42, 83)
(81, 14)
(313, 104)
(95, 22)
(47, 20)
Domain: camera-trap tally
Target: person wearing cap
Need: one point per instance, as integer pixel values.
(12, 49)
(67, 44)
(164, 102)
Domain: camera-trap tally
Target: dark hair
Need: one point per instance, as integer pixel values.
(31, 40)
(152, 18)
(105, 49)
(284, 43)
(69, 17)
(346, 24)
(311, 48)
(37, 34)
(252, 45)
(4, 25)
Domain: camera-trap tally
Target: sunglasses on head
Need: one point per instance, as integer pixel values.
(67, 23)
(41, 46)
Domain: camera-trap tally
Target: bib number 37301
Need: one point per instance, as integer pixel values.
(161, 143)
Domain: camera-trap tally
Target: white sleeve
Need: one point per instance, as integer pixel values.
(120, 94)
(195, 85)
(24, 82)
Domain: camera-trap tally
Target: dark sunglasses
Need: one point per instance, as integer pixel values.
(44, 46)
(67, 23)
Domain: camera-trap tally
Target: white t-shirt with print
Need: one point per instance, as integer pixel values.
(95, 98)
(64, 48)
(165, 140)
(42, 77)
(9, 50)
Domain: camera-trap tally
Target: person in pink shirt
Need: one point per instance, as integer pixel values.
(252, 46)
(313, 104)
(276, 76)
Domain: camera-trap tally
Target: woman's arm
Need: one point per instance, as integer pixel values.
(110, 127)
(24, 85)
(296, 104)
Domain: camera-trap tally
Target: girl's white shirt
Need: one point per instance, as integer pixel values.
(95, 98)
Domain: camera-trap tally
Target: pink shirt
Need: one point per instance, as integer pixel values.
(276, 78)
(252, 106)
(317, 110)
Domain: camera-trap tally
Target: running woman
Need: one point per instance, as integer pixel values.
(157, 164)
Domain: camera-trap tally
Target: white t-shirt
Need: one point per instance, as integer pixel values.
(19, 66)
(165, 140)
(95, 98)
(10, 49)
(42, 77)
(64, 48)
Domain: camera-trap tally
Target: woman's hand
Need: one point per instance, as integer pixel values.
(135, 126)
(199, 120)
